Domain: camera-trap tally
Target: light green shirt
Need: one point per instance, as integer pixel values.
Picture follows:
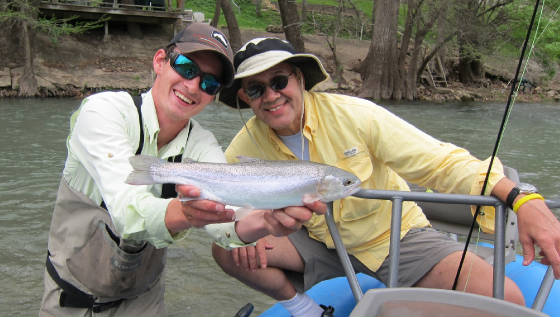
(104, 133)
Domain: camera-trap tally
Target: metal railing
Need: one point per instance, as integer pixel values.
(397, 198)
(115, 4)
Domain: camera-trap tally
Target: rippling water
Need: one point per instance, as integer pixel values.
(33, 154)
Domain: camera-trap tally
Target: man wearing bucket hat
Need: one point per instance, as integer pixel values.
(291, 122)
(107, 242)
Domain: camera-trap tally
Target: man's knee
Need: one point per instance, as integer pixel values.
(512, 293)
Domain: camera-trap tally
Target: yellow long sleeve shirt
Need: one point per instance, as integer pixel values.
(385, 152)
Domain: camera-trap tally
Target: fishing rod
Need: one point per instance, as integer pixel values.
(498, 140)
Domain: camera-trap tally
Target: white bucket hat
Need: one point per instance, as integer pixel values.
(260, 54)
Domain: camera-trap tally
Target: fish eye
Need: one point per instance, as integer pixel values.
(347, 182)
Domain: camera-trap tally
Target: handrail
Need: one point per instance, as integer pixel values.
(397, 198)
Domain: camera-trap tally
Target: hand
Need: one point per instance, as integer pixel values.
(281, 222)
(538, 225)
(277, 222)
(194, 213)
(251, 257)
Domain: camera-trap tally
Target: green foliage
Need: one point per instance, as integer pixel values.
(247, 17)
(22, 10)
(519, 13)
(545, 32)
(245, 13)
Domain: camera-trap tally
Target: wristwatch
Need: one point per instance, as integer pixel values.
(521, 188)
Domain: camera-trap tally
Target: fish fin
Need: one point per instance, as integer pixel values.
(328, 185)
(144, 162)
(243, 211)
(141, 165)
(247, 159)
(310, 198)
(185, 199)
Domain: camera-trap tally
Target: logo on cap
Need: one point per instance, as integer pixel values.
(220, 38)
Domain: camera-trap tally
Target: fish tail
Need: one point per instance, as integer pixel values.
(141, 174)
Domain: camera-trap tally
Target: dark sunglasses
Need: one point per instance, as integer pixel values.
(188, 69)
(256, 90)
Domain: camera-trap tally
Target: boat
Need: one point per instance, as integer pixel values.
(362, 295)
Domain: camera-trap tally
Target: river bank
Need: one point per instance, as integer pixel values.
(79, 65)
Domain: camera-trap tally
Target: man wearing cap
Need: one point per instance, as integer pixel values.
(107, 242)
(291, 122)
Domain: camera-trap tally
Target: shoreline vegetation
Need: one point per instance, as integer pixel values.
(79, 65)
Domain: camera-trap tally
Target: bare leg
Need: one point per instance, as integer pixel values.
(270, 280)
(476, 274)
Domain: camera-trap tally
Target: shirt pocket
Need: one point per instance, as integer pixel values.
(354, 208)
(358, 164)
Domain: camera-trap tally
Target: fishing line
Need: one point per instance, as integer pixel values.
(535, 39)
(300, 79)
(247, 129)
(472, 260)
(498, 140)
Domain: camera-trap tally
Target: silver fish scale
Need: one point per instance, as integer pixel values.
(258, 184)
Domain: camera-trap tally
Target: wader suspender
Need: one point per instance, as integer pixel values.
(71, 296)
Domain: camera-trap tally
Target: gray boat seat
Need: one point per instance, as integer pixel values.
(417, 302)
(456, 219)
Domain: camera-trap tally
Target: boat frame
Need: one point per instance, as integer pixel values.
(499, 238)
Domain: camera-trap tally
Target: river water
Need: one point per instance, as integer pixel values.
(33, 154)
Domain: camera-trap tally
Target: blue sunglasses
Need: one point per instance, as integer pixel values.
(188, 69)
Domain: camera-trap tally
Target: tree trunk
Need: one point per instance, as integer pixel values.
(469, 41)
(258, 8)
(303, 13)
(291, 24)
(381, 66)
(217, 12)
(233, 28)
(417, 27)
(338, 68)
(28, 82)
(466, 75)
(401, 76)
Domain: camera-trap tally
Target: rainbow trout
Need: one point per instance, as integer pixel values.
(251, 183)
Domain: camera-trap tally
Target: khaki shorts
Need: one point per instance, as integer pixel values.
(421, 249)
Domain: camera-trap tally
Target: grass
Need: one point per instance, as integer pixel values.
(247, 17)
(548, 49)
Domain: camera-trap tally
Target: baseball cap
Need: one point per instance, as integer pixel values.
(203, 37)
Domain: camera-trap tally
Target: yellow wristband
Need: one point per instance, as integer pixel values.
(525, 199)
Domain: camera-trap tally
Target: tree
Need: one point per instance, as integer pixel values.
(233, 28)
(303, 10)
(23, 16)
(291, 24)
(477, 30)
(338, 68)
(421, 18)
(379, 67)
(258, 8)
(392, 71)
(217, 11)
(27, 82)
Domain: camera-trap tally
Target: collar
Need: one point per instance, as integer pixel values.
(151, 124)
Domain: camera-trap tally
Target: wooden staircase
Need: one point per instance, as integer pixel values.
(437, 73)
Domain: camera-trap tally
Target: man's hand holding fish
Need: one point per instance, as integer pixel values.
(276, 222)
(253, 226)
(282, 222)
(195, 213)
